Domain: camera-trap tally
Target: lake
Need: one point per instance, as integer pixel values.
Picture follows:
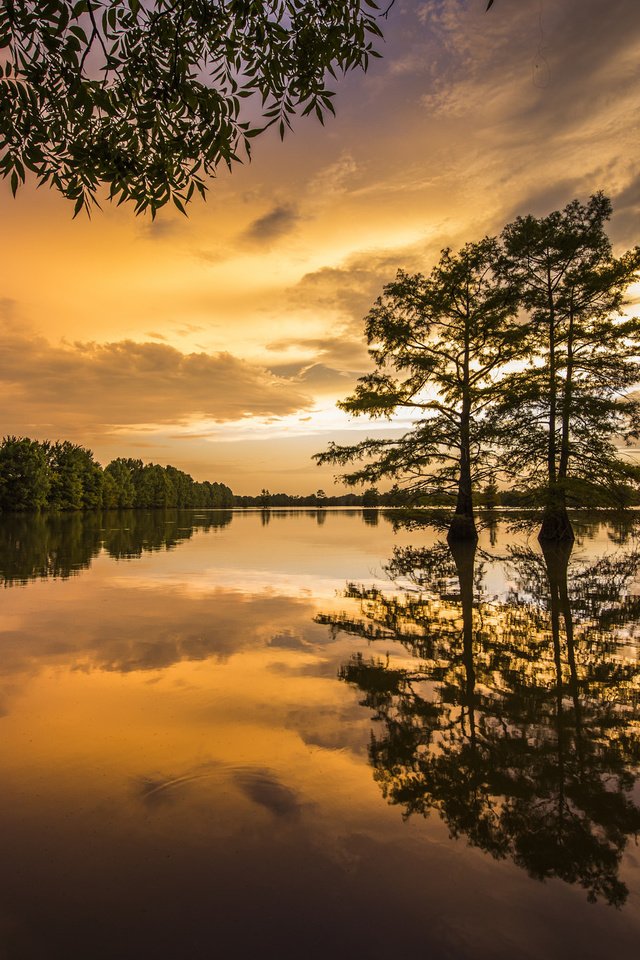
(317, 734)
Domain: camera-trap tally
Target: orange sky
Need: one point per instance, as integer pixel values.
(221, 342)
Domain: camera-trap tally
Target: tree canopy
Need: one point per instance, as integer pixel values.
(571, 400)
(437, 343)
(512, 358)
(64, 476)
(149, 98)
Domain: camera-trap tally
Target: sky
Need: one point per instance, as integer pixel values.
(221, 342)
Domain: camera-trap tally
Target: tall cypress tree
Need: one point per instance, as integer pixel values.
(438, 343)
(563, 412)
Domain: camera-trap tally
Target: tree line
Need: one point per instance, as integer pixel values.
(61, 475)
(517, 363)
(370, 498)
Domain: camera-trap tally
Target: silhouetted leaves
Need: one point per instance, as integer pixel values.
(149, 98)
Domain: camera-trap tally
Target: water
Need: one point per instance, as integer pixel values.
(310, 734)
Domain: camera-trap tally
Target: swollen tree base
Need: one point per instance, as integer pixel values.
(556, 526)
(462, 527)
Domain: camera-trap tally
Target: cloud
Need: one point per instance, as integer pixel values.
(61, 389)
(279, 221)
(333, 180)
(161, 228)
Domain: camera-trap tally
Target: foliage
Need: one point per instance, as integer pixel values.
(438, 343)
(24, 474)
(513, 360)
(572, 399)
(64, 476)
(149, 98)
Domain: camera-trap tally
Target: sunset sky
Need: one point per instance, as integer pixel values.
(220, 343)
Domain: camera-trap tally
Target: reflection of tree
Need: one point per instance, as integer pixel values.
(37, 546)
(517, 721)
(59, 545)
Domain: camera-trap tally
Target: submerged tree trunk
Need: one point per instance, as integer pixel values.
(556, 525)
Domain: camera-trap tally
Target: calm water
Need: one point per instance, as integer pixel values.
(317, 735)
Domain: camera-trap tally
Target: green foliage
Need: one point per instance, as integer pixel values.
(150, 98)
(24, 474)
(64, 476)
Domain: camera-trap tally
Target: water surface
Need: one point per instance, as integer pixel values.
(316, 734)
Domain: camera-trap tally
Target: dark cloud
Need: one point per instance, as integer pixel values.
(280, 220)
(318, 377)
(89, 385)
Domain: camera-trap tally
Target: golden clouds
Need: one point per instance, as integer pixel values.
(58, 389)
(468, 121)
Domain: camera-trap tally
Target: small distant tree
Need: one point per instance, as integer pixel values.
(490, 493)
(120, 487)
(264, 499)
(564, 411)
(439, 343)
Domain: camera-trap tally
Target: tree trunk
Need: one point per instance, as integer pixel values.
(556, 525)
(463, 525)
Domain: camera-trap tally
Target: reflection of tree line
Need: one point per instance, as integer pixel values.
(40, 545)
(59, 545)
(517, 721)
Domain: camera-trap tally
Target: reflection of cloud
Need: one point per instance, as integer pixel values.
(264, 788)
(152, 629)
(272, 225)
(287, 641)
(58, 389)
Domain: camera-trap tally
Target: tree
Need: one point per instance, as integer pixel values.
(264, 499)
(564, 410)
(151, 97)
(446, 336)
(24, 474)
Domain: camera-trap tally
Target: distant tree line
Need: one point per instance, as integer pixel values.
(514, 360)
(61, 475)
(370, 498)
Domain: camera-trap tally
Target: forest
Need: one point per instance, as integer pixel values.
(62, 475)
